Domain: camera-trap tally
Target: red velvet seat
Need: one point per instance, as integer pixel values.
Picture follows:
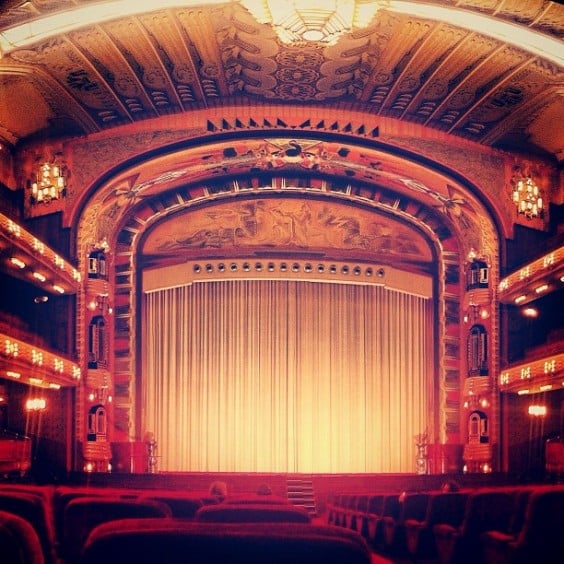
(268, 499)
(148, 541)
(349, 511)
(412, 506)
(486, 509)
(360, 512)
(19, 542)
(443, 507)
(390, 508)
(63, 495)
(182, 505)
(373, 509)
(334, 505)
(35, 509)
(541, 538)
(252, 513)
(341, 509)
(82, 514)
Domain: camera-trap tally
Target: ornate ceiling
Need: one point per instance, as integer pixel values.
(471, 83)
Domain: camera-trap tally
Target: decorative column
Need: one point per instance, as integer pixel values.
(97, 394)
(478, 386)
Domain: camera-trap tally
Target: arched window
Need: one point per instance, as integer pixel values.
(477, 275)
(97, 343)
(97, 264)
(478, 428)
(477, 351)
(97, 423)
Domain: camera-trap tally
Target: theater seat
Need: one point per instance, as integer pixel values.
(182, 506)
(541, 538)
(485, 509)
(146, 541)
(19, 543)
(82, 514)
(35, 509)
(252, 513)
(446, 508)
(375, 524)
(413, 506)
(269, 499)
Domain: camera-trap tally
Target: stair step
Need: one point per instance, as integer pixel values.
(301, 494)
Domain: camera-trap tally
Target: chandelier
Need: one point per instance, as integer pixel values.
(313, 20)
(49, 184)
(527, 197)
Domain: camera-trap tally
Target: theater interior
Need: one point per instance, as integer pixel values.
(281, 281)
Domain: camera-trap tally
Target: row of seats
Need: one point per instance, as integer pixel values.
(491, 525)
(69, 525)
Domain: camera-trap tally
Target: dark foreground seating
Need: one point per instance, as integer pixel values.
(446, 508)
(375, 522)
(252, 513)
(486, 509)
(541, 538)
(182, 505)
(83, 514)
(171, 541)
(255, 499)
(35, 509)
(19, 543)
(412, 506)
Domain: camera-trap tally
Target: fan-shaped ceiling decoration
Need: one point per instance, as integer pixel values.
(484, 70)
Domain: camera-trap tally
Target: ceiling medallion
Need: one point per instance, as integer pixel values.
(314, 20)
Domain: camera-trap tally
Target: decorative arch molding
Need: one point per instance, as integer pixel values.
(226, 155)
(129, 202)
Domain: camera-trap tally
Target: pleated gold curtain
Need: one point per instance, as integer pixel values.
(286, 376)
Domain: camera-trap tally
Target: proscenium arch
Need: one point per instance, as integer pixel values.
(140, 169)
(132, 212)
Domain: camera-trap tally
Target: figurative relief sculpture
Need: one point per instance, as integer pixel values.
(287, 223)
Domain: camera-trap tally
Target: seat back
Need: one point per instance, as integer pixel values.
(414, 506)
(542, 534)
(252, 513)
(82, 514)
(446, 507)
(375, 504)
(487, 510)
(63, 495)
(391, 506)
(182, 505)
(362, 503)
(172, 541)
(19, 542)
(34, 508)
(255, 499)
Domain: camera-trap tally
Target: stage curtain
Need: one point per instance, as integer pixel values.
(286, 376)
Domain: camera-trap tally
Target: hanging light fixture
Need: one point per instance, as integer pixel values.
(527, 197)
(49, 184)
(314, 20)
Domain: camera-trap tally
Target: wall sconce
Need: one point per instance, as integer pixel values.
(475, 312)
(537, 410)
(101, 303)
(35, 404)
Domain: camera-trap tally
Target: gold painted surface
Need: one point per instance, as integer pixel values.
(285, 225)
(171, 61)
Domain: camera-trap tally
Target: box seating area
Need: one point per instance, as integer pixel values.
(493, 525)
(82, 524)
